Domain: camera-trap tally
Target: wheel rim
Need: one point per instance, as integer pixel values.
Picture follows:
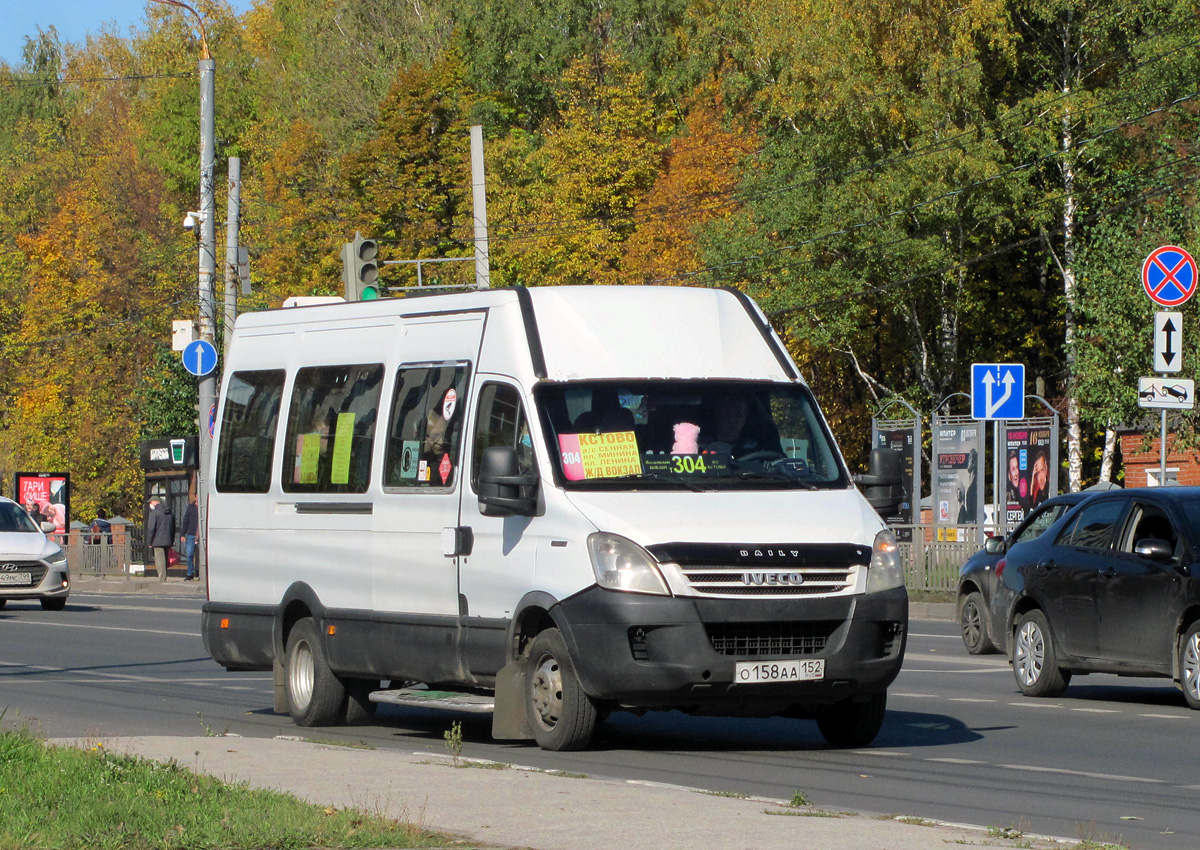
(1030, 654)
(1191, 667)
(301, 674)
(972, 624)
(546, 691)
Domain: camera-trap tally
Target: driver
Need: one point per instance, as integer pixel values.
(734, 430)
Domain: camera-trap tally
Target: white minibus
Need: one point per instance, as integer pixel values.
(549, 504)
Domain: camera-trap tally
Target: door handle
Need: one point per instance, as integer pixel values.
(457, 541)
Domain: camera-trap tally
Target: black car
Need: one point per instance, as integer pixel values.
(1111, 587)
(977, 578)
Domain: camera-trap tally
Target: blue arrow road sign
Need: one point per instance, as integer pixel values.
(998, 390)
(200, 357)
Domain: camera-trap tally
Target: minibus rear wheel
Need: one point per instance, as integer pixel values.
(315, 696)
(561, 715)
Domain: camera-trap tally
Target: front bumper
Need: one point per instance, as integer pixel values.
(55, 582)
(656, 652)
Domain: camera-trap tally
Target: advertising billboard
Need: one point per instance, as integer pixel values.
(46, 496)
(1029, 461)
(902, 437)
(957, 472)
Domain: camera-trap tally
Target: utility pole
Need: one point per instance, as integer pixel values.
(483, 269)
(232, 225)
(208, 271)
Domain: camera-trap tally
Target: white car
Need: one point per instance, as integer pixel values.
(32, 566)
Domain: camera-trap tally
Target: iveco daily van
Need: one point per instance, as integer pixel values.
(547, 503)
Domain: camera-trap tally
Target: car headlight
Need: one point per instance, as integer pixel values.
(58, 559)
(621, 564)
(886, 571)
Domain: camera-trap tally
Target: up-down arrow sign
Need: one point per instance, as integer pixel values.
(1168, 341)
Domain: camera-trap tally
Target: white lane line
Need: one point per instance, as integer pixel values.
(101, 628)
(969, 699)
(1063, 771)
(887, 753)
(965, 672)
(944, 637)
(955, 761)
(1097, 710)
(915, 696)
(72, 675)
(1031, 704)
(1165, 716)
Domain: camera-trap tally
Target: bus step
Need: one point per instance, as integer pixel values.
(421, 698)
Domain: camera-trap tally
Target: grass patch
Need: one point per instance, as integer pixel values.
(733, 795)
(806, 813)
(66, 798)
(330, 742)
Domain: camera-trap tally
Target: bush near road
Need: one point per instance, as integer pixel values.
(65, 798)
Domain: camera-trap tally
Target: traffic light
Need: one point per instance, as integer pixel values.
(360, 270)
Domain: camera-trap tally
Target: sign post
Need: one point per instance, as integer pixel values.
(1169, 278)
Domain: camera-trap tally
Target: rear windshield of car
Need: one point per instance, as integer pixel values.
(14, 518)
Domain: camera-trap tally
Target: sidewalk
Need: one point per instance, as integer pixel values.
(514, 807)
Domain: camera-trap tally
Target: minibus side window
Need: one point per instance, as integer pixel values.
(331, 429)
(248, 423)
(501, 422)
(426, 426)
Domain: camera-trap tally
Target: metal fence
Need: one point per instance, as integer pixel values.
(104, 554)
(932, 564)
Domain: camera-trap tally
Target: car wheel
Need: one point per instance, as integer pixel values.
(853, 724)
(1034, 661)
(1189, 666)
(315, 696)
(53, 603)
(561, 715)
(973, 626)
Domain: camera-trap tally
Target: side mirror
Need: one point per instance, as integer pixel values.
(994, 545)
(48, 528)
(884, 482)
(1154, 549)
(503, 489)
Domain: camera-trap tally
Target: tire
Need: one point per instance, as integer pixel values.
(53, 603)
(561, 716)
(360, 711)
(972, 623)
(1035, 663)
(315, 696)
(1189, 665)
(853, 724)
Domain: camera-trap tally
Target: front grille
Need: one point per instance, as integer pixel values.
(36, 570)
(799, 581)
(775, 640)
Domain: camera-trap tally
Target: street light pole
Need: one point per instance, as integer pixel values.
(207, 268)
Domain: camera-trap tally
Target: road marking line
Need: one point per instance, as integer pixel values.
(958, 672)
(1165, 716)
(1037, 704)
(955, 761)
(1098, 710)
(103, 628)
(969, 699)
(916, 696)
(945, 637)
(1060, 770)
(888, 753)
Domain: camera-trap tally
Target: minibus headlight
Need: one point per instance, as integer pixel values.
(621, 564)
(886, 571)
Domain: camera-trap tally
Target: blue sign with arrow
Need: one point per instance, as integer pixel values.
(998, 390)
(200, 357)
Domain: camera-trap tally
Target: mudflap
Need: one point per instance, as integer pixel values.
(279, 680)
(510, 722)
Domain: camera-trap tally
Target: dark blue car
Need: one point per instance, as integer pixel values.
(1112, 586)
(977, 578)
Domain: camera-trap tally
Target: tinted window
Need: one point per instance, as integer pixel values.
(14, 518)
(1148, 522)
(426, 425)
(501, 422)
(248, 422)
(1093, 526)
(1039, 522)
(331, 429)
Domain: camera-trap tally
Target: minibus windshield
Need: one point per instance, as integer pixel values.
(687, 434)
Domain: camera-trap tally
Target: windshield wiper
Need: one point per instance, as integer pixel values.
(659, 477)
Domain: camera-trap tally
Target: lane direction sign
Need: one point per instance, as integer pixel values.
(998, 390)
(1168, 341)
(1168, 393)
(200, 357)
(1169, 276)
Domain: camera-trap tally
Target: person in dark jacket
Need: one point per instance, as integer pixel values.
(160, 535)
(191, 528)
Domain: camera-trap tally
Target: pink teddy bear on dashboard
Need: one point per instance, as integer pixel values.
(687, 438)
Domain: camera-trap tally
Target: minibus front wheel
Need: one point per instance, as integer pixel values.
(561, 715)
(315, 696)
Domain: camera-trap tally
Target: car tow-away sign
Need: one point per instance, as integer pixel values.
(1170, 393)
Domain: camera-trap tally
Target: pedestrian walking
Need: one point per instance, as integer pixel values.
(160, 535)
(191, 527)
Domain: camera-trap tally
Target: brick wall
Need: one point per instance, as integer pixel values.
(1138, 461)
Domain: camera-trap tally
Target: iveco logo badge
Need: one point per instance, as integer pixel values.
(8, 568)
(792, 579)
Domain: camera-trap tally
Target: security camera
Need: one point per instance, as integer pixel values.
(189, 221)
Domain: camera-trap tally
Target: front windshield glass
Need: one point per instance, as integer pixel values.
(14, 518)
(692, 434)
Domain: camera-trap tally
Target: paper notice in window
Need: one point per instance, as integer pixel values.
(308, 454)
(599, 455)
(343, 441)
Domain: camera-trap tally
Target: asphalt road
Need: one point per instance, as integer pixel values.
(1112, 760)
